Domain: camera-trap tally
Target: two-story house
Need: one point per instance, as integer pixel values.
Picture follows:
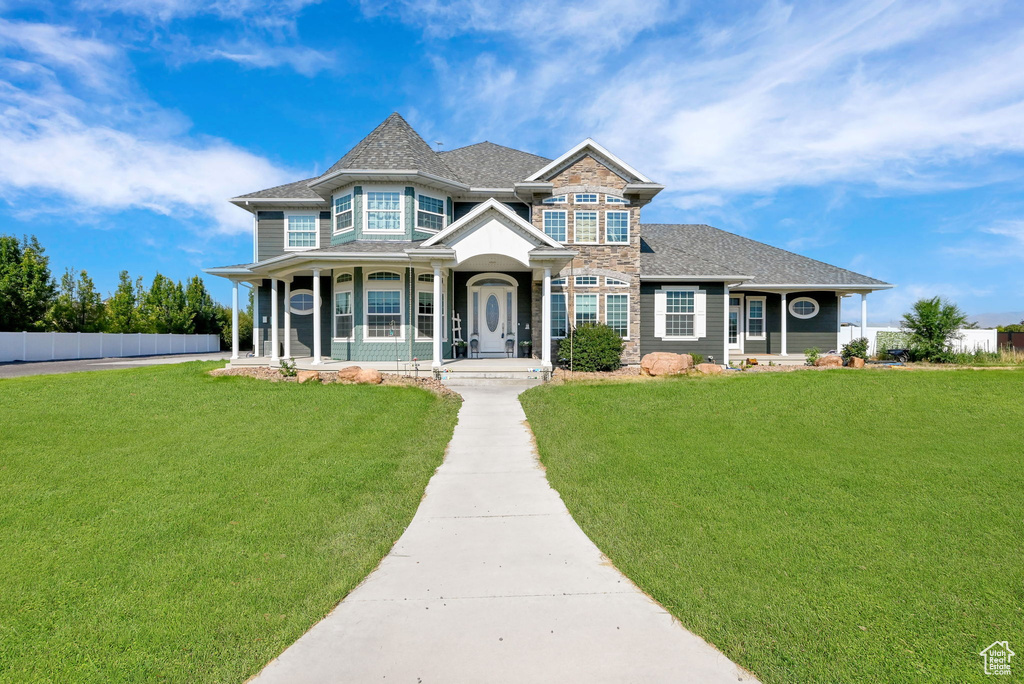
(401, 247)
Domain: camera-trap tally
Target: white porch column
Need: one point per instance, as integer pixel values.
(288, 319)
(316, 317)
(256, 342)
(785, 321)
(725, 339)
(234, 319)
(863, 314)
(275, 354)
(545, 326)
(438, 321)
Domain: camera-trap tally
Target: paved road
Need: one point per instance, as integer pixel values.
(493, 581)
(19, 368)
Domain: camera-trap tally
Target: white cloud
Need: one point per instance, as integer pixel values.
(258, 11)
(100, 150)
(250, 53)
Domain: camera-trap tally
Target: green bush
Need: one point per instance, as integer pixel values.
(811, 355)
(288, 368)
(857, 347)
(697, 359)
(591, 348)
(933, 324)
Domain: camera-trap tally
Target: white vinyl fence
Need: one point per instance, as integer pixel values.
(967, 340)
(46, 346)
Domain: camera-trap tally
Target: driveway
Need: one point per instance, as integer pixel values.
(20, 368)
(493, 581)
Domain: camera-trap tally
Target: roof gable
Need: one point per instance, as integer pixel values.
(591, 147)
(394, 146)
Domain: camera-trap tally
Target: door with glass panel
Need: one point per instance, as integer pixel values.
(735, 323)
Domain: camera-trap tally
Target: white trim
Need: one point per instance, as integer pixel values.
(288, 301)
(576, 197)
(764, 317)
(492, 205)
(699, 314)
(543, 222)
(384, 286)
(511, 284)
(367, 189)
(420, 286)
(342, 288)
(597, 226)
(629, 228)
(416, 212)
(316, 224)
(351, 210)
(740, 320)
(794, 314)
(617, 294)
(579, 148)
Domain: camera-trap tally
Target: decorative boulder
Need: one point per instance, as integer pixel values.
(348, 374)
(856, 362)
(665, 363)
(369, 376)
(830, 361)
(307, 376)
(709, 368)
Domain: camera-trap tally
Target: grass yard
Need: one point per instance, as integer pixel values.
(840, 526)
(162, 525)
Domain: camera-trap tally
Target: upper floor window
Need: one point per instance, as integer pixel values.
(343, 213)
(612, 199)
(384, 211)
(430, 213)
(585, 198)
(558, 282)
(383, 275)
(558, 199)
(585, 226)
(300, 231)
(554, 224)
(616, 227)
(615, 282)
(586, 281)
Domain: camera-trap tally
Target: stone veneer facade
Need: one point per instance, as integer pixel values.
(616, 260)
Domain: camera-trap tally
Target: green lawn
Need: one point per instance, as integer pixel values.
(845, 526)
(162, 525)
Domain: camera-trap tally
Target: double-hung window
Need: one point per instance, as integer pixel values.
(755, 318)
(585, 225)
(301, 231)
(616, 227)
(384, 306)
(559, 316)
(554, 224)
(383, 212)
(343, 323)
(679, 313)
(616, 313)
(343, 213)
(585, 309)
(429, 213)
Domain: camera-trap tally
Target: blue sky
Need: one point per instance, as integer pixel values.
(886, 137)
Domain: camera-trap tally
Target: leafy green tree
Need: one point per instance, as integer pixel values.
(205, 312)
(244, 325)
(163, 309)
(1013, 327)
(78, 306)
(26, 287)
(122, 307)
(933, 324)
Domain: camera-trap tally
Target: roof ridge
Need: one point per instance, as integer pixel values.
(488, 142)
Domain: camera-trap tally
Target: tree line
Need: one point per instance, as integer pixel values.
(31, 299)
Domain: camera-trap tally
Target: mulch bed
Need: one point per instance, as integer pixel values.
(328, 377)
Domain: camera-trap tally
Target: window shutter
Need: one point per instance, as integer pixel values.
(659, 313)
(700, 313)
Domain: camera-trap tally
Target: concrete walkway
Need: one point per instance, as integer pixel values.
(493, 581)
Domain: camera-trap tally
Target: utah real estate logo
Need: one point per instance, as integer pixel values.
(997, 658)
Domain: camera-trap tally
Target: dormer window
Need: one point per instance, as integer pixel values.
(430, 213)
(343, 213)
(560, 199)
(384, 212)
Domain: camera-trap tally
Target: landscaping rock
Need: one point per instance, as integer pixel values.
(830, 361)
(348, 374)
(856, 362)
(665, 363)
(369, 376)
(709, 368)
(308, 376)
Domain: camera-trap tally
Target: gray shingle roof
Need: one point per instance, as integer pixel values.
(382, 246)
(486, 165)
(296, 190)
(394, 146)
(689, 249)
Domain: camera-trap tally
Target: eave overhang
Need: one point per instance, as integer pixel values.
(326, 185)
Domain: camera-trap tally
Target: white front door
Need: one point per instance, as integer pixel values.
(495, 318)
(735, 323)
